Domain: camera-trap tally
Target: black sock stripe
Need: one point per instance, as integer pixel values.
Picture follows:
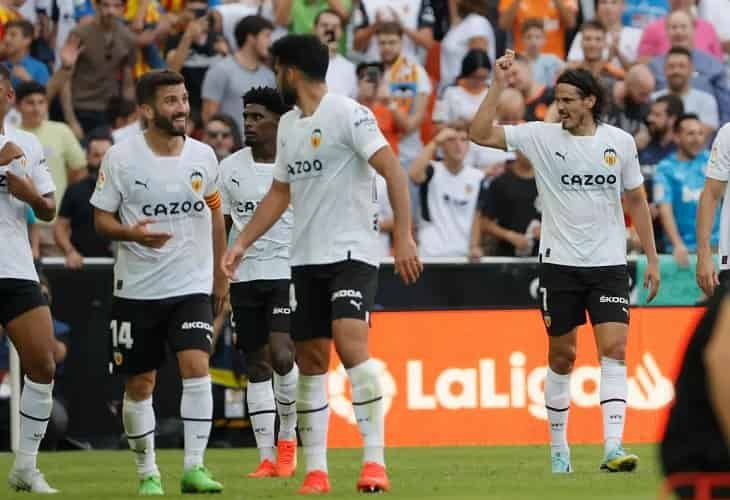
(197, 419)
(557, 409)
(614, 400)
(315, 410)
(34, 418)
(361, 403)
(140, 436)
(286, 404)
(288, 414)
(261, 412)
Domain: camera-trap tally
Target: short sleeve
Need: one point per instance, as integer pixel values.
(662, 189)
(631, 177)
(281, 172)
(73, 154)
(426, 16)
(360, 17)
(39, 172)
(223, 188)
(214, 83)
(718, 167)
(213, 176)
(518, 137)
(366, 137)
(107, 195)
(576, 50)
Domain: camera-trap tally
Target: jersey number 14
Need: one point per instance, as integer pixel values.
(122, 334)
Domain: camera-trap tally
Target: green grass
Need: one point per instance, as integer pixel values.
(417, 473)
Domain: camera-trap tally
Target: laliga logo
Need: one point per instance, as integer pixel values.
(338, 382)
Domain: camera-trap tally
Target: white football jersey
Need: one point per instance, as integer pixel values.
(324, 158)
(137, 184)
(16, 259)
(448, 202)
(580, 180)
(243, 184)
(718, 168)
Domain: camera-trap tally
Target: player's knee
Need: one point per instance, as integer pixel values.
(41, 370)
(257, 368)
(312, 362)
(139, 387)
(562, 360)
(282, 361)
(615, 350)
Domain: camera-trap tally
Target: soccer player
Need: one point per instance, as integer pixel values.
(716, 186)
(325, 150)
(260, 288)
(157, 195)
(24, 313)
(697, 436)
(582, 166)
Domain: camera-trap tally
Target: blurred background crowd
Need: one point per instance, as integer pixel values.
(422, 66)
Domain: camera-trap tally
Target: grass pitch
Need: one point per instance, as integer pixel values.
(416, 473)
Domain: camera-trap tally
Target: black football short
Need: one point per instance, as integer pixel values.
(139, 330)
(18, 297)
(259, 308)
(326, 292)
(567, 292)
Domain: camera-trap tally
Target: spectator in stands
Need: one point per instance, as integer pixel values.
(229, 13)
(677, 187)
(108, 56)
(559, 16)
(448, 194)
(660, 125)
(123, 117)
(715, 12)
(415, 18)
(193, 52)
(594, 49)
(235, 75)
(640, 13)
(150, 24)
(223, 135)
(64, 156)
(373, 93)
(341, 73)
(9, 12)
(469, 30)
(74, 227)
(299, 15)
(538, 97)
(655, 40)
(409, 86)
(709, 74)
(678, 70)
(622, 41)
(16, 47)
(631, 101)
(508, 211)
(461, 101)
(545, 67)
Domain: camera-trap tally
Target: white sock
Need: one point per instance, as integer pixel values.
(262, 410)
(367, 401)
(614, 390)
(557, 403)
(313, 413)
(285, 389)
(36, 402)
(138, 418)
(196, 411)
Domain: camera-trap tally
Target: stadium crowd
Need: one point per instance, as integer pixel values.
(422, 66)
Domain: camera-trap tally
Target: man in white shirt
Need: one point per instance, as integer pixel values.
(582, 169)
(260, 289)
(448, 192)
(716, 187)
(341, 73)
(327, 149)
(24, 314)
(157, 195)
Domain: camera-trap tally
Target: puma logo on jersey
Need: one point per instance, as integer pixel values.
(143, 184)
(561, 155)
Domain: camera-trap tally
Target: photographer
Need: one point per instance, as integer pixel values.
(340, 72)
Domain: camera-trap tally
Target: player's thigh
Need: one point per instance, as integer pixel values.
(562, 299)
(608, 298)
(25, 315)
(250, 317)
(136, 335)
(278, 306)
(190, 334)
(310, 303)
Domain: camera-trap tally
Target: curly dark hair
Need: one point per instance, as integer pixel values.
(267, 97)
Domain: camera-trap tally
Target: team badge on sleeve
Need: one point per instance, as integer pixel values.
(610, 157)
(100, 181)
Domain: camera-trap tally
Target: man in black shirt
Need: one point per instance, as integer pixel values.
(698, 429)
(509, 212)
(74, 228)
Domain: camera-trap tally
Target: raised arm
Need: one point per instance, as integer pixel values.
(483, 131)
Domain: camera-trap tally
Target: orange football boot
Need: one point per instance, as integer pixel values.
(316, 482)
(265, 469)
(373, 478)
